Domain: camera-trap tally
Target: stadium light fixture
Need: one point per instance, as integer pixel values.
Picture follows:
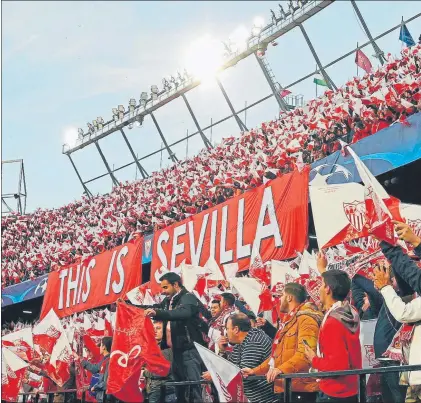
(91, 128)
(154, 92)
(80, 134)
(143, 99)
(132, 105)
(71, 135)
(95, 125)
(166, 84)
(130, 126)
(27, 312)
(115, 111)
(100, 121)
(121, 108)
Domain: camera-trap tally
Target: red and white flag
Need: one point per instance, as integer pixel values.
(381, 208)
(12, 371)
(134, 347)
(339, 213)
(47, 332)
(20, 343)
(362, 61)
(60, 360)
(225, 376)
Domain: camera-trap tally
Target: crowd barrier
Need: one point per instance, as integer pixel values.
(362, 395)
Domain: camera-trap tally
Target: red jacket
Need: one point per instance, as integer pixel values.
(340, 350)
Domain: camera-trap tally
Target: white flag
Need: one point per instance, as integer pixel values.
(225, 376)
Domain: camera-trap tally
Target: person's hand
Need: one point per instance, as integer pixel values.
(272, 374)
(366, 303)
(260, 322)
(405, 233)
(206, 376)
(222, 343)
(93, 389)
(247, 372)
(309, 353)
(150, 312)
(381, 276)
(321, 262)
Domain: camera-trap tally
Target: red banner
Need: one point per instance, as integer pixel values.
(271, 219)
(99, 281)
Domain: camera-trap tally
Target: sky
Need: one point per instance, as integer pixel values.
(64, 63)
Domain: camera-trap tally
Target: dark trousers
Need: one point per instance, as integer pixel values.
(323, 398)
(299, 397)
(392, 392)
(188, 366)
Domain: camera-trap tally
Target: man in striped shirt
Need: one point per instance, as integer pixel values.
(251, 347)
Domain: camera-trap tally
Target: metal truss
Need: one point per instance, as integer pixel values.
(19, 196)
(268, 35)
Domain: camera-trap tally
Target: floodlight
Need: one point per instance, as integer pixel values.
(121, 115)
(116, 117)
(143, 98)
(130, 126)
(100, 122)
(282, 11)
(80, 132)
(139, 121)
(95, 123)
(154, 89)
(90, 127)
(181, 77)
(166, 84)
(132, 105)
(115, 111)
(121, 108)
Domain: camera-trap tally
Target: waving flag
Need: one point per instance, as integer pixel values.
(12, 370)
(363, 61)
(225, 376)
(20, 343)
(134, 347)
(405, 36)
(47, 332)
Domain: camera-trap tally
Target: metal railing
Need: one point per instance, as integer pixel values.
(287, 395)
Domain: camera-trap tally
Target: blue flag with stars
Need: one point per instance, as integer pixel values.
(405, 36)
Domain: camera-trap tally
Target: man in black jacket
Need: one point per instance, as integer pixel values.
(180, 313)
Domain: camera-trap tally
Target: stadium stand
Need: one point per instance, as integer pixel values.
(35, 243)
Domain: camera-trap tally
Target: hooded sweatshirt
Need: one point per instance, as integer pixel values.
(339, 349)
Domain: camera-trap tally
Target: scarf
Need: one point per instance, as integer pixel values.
(400, 342)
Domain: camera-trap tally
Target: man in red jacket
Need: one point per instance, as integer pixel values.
(339, 345)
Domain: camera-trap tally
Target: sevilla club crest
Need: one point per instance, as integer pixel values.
(355, 212)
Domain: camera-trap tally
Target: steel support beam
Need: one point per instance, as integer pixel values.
(139, 165)
(377, 50)
(240, 123)
(113, 178)
(87, 191)
(202, 135)
(276, 91)
(328, 80)
(172, 155)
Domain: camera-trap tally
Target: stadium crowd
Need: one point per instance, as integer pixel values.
(33, 244)
(305, 338)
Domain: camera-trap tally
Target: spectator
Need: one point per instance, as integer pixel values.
(217, 327)
(301, 325)
(179, 312)
(409, 336)
(339, 346)
(215, 308)
(366, 298)
(153, 382)
(102, 369)
(251, 348)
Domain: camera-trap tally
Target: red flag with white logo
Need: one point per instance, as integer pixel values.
(225, 376)
(134, 347)
(12, 370)
(362, 61)
(47, 332)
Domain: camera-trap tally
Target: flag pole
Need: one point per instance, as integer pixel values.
(357, 59)
(400, 33)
